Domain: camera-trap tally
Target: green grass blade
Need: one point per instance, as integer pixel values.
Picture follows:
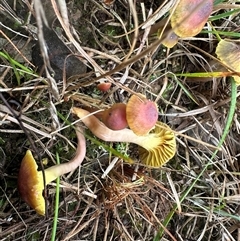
(54, 229)
(205, 74)
(15, 63)
(224, 33)
(186, 90)
(224, 15)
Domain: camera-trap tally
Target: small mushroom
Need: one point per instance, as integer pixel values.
(142, 115)
(190, 16)
(229, 53)
(156, 148)
(170, 40)
(164, 31)
(30, 180)
(115, 117)
(104, 86)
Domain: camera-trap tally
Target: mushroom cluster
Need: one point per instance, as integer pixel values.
(156, 147)
(30, 180)
(156, 142)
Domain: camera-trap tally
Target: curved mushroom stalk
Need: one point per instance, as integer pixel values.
(30, 180)
(157, 147)
(56, 171)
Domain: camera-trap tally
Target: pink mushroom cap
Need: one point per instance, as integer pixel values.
(142, 115)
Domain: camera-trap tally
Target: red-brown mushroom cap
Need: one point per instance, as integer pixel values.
(142, 115)
(115, 117)
(190, 16)
(104, 87)
(30, 184)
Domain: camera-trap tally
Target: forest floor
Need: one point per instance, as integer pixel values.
(195, 195)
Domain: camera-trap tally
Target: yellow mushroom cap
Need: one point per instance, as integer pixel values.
(30, 184)
(142, 115)
(229, 53)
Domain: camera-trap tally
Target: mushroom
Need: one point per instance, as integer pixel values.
(142, 114)
(190, 16)
(30, 180)
(115, 117)
(104, 86)
(170, 40)
(229, 53)
(165, 32)
(156, 148)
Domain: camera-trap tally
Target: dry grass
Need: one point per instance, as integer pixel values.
(130, 202)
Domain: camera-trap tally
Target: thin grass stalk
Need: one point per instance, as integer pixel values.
(55, 219)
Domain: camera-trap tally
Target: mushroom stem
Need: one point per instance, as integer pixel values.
(106, 134)
(55, 171)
